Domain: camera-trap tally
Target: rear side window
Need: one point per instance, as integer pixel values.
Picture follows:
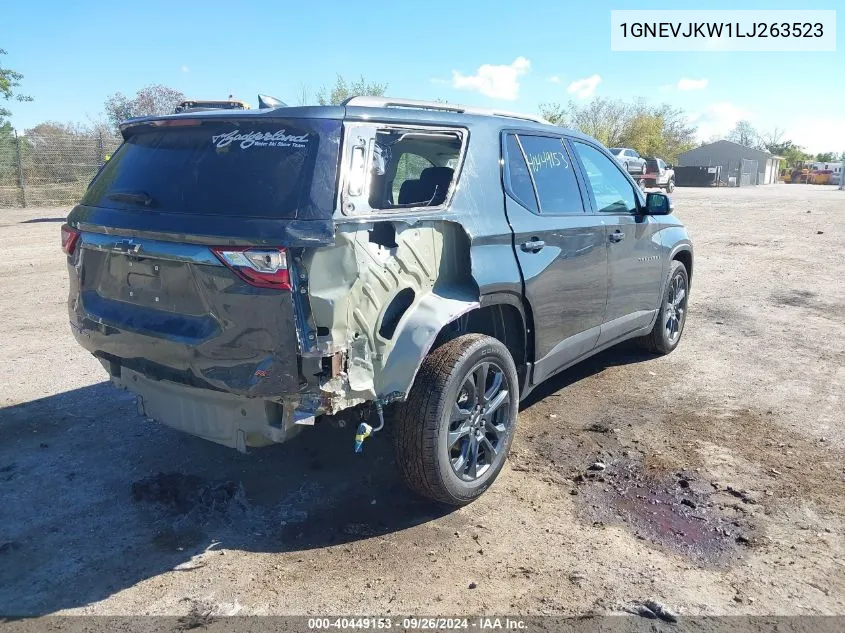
(552, 174)
(408, 167)
(518, 177)
(396, 168)
(238, 168)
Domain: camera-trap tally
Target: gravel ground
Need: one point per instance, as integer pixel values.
(717, 484)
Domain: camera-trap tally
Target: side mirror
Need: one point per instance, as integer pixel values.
(658, 204)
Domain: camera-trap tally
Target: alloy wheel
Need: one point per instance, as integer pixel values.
(675, 308)
(480, 421)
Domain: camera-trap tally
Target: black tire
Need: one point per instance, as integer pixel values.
(642, 169)
(625, 165)
(670, 186)
(659, 340)
(424, 420)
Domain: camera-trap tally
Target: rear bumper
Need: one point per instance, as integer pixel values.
(226, 419)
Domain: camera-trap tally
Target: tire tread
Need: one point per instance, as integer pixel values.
(415, 435)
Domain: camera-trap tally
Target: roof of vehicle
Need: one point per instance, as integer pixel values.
(383, 109)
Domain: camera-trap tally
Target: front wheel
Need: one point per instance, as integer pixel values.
(670, 186)
(666, 333)
(454, 431)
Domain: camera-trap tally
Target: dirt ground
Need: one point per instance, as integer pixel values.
(717, 482)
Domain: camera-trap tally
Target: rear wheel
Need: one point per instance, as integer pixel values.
(454, 431)
(666, 333)
(625, 165)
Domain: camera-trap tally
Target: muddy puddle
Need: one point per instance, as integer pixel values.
(683, 511)
(675, 511)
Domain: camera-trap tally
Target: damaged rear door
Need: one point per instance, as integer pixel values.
(185, 267)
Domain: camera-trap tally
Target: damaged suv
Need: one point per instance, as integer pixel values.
(247, 273)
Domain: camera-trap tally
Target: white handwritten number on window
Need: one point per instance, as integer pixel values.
(547, 160)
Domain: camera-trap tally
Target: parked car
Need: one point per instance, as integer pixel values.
(629, 159)
(249, 273)
(658, 174)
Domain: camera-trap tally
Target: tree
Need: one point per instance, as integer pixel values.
(827, 157)
(9, 81)
(603, 119)
(790, 152)
(745, 134)
(343, 90)
(773, 138)
(150, 100)
(652, 130)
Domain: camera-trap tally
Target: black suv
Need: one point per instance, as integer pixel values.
(247, 273)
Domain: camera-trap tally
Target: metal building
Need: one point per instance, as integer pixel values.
(740, 165)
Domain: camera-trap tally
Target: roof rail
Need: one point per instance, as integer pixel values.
(389, 102)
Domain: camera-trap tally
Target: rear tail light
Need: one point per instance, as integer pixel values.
(70, 238)
(259, 267)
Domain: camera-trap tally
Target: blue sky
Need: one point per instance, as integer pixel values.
(505, 54)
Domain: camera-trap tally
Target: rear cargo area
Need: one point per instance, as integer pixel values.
(182, 286)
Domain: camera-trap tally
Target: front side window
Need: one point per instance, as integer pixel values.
(610, 189)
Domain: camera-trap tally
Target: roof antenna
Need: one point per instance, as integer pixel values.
(265, 101)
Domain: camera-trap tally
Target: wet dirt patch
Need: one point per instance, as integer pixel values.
(185, 507)
(810, 301)
(677, 512)
(796, 298)
(740, 243)
(720, 314)
(183, 494)
(709, 493)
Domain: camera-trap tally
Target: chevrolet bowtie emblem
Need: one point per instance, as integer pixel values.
(127, 246)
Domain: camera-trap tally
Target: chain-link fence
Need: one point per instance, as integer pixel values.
(50, 170)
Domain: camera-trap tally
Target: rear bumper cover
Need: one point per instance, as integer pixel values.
(223, 418)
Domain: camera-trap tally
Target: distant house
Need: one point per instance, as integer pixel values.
(737, 162)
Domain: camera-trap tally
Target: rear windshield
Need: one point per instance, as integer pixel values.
(270, 168)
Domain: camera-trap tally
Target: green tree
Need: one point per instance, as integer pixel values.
(343, 90)
(827, 157)
(151, 100)
(603, 119)
(790, 152)
(652, 130)
(10, 80)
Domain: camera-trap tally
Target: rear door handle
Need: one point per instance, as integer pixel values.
(617, 236)
(532, 246)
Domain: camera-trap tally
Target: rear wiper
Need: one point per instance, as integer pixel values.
(137, 197)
